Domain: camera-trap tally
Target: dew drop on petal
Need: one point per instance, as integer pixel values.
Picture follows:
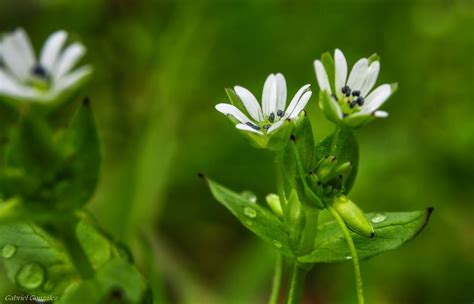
(8, 251)
(250, 212)
(277, 244)
(30, 276)
(378, 218)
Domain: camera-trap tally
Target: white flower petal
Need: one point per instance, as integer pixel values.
(358, 74)
(381, 114)
(248, 128)
(51, 49)
(18, 54)
(372, 75)
(296, 99)
(10, 87)
(68, 59)
(71, 79)
(275, 126)
(300, 105)
(376, 98)
(228, 109)
(322, 76)
(267, 92)
(250, 102)
(341, 71)
(281, 92)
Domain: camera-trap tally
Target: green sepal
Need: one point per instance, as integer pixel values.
(353, 216)
(329, 107)
(235, 100)
(303, 134)
(82, 148)
(255, 218)
(357, 120)
(345, 149)
(329, 66)
(396, 229)
(279, 138)
(373, 57)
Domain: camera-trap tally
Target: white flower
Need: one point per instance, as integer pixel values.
(266, 120)
(26, 78)
(350, 100)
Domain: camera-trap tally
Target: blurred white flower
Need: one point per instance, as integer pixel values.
(267, 119)
(51, 77)
(352, 102)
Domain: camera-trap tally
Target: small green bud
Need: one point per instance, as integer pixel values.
(353, 216)
(326, 169)
(273, 202)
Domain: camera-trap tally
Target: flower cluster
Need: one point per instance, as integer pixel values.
(45, 79)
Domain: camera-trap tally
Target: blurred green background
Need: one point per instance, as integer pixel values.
(161, 66)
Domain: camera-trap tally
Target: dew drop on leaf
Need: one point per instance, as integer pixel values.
(250, 196)
(276, 244)
(30, 276)
(8, 251)
(348, 256)
(250, 212)
(378, 218)
(249, 223)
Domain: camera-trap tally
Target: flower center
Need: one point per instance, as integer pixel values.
(351, 101)
(268, 122)
(40, 77)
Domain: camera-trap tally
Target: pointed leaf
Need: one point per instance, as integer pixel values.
(255, 218)
(392, 229)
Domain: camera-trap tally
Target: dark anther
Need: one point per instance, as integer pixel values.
(271, 118)
(292, 137)
(360, 100)
(344, 115)
(266, 127)
(280, 113)
(40, 71)
(353, 103)
(252, 126)
(355, 93)
(346, 90)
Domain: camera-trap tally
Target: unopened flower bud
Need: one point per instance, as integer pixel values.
(273, 202)
(353, 216)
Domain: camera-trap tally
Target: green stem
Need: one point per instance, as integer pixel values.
(76, 251)
(296, 285)
(353, 251)
(280, 183)
(276, 279)
(335, 138)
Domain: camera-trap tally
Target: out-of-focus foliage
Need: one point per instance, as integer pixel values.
(161, 66)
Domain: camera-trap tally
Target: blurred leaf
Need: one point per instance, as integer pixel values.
(391, 231)
(345, 148)
(255, 218)
(33, 260)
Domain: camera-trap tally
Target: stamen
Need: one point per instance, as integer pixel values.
(271, 118)
(40, 71)
(353, 103)
(360, 100)
(345, 89)
(252, 126)
(280, 113)
(355, 93)
(266, 127)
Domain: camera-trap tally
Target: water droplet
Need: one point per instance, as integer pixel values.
(276, 244)
(378, 218)
(8, 251)
(48, 286)
(250, 212)
(249, 223)
(250, 196)
(30, 276)
(348, 256)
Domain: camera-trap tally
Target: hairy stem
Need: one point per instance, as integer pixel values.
(296, 285)
(353, 251)
(276, 279)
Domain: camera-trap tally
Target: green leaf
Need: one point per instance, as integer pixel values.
(345, 148)
(82, 148)
(329, 107)
(255, 218)
(329, 66)
(392, 229)
(33, 260)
